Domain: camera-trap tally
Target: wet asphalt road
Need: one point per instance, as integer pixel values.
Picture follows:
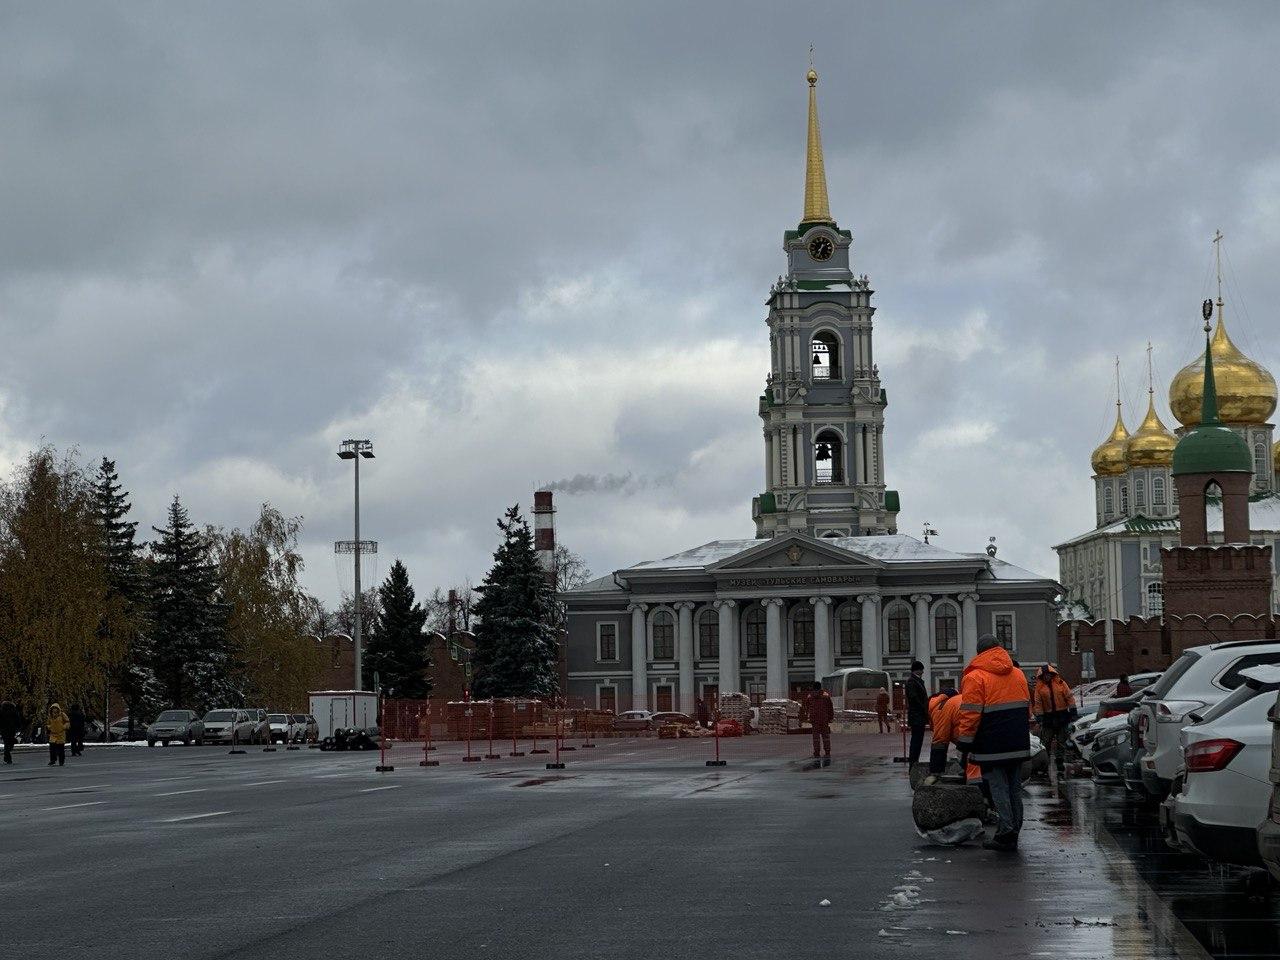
(636, 849)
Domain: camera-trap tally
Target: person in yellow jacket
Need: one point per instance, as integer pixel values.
(1054, 708)
(57, 725)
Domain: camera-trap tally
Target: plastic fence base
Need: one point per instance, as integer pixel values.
(428, 763)
(555, 766)
(268, 749)
(235, 751)
(516, 753)
(493, 756)
(716, 763)
(381, 768)
(539, 751)
(471, 759)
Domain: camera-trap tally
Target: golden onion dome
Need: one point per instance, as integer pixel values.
(1246, 390)
(1151, 444)
(1109, 457)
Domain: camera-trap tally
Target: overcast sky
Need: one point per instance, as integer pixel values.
(523, 243)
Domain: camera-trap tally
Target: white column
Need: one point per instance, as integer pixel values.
(823, 657)
(768, 461)
(728, 645)
(775, 453)
(775, 684)
(639, 658)
(685, 609)
(968, 626)
(921, 644)
(871, 653)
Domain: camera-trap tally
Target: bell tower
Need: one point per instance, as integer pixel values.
(823, 406)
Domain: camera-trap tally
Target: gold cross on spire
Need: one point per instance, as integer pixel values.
(1217, 255)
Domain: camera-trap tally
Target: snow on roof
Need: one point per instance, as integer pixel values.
(889, 548)
(1003, 570)
(1264, 517)
(598, 585)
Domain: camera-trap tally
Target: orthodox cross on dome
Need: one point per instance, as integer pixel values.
(1217, 255)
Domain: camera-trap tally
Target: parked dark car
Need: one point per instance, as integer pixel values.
(672, 716)
(633, 720)
(118, 732)
(353, 738)
(183, 725)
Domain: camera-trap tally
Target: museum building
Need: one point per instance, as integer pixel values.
(828, 582)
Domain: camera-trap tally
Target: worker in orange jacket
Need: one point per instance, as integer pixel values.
(1054, 708)
(993, 729)
(942, 710)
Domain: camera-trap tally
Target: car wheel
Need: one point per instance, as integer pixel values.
(151, 743)
(199, 741)
(186, 741)
(164, 743)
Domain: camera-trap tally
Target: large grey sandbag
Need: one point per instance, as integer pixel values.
(954, 834)
(938, 806)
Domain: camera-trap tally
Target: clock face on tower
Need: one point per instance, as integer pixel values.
(821, 248)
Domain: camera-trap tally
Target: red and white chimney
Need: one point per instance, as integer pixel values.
(544, 532)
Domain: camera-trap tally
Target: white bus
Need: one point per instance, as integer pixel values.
(856, 688)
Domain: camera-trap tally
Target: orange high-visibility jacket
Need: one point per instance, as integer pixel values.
(1052, 700)
(942, 717)
(993, 724)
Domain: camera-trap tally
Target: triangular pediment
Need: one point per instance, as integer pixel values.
(794, 551)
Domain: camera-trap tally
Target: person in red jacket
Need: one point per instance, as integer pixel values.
(821, 710)
(993, 728)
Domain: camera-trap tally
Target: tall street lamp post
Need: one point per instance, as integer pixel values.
(355, 450)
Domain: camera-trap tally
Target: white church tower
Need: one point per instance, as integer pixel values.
(823, 405)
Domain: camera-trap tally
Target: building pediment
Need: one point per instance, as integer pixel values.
(794, 552)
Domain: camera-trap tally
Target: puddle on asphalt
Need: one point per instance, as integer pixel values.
(539, 781)
(1230, 911)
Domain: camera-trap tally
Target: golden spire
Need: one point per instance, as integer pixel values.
(816, 208)
(1109, 458)
(1151, 444)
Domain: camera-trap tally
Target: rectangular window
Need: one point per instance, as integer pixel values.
(1002, 624)
(899, 631)
(664, 641)
(946, 631)
(850, 631)
(607, 698)
(606, 641)
(1157, 489)
(755, 636)
(708, 638)
(802, 637)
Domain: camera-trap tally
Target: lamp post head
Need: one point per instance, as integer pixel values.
(348, 449)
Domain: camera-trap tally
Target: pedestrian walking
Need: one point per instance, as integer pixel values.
(821, 710)
(882, 711)
(75, 729)
(917, 710)
(701, 709)
(1123, 687)
(57, 724)
(10, 723)
(942, 712)
(1054, 707)
(993, 730)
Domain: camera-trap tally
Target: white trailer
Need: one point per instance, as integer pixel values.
(343, 708)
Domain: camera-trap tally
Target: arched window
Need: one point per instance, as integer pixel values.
(1124, 498)
(802, 631)
(664, 635)
(708, 635)
(849, 621)
(828, 457)
(1108, 501)
(1155, 598)
(1157, 491)
(946, 629)
(753, 632)
(826, 356)
(1140, 492)
(899, 629)
(1260, 460)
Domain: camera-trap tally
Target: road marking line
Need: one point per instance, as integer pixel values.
(169, 780)
(390, 786)
(70, 806)
(179, 793)
(196, 816)
(263, 783)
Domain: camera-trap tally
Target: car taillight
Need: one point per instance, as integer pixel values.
(1209, 756)
(1112, 713)
(1142, 729)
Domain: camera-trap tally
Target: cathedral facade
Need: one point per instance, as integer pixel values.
(1114, 571)
(828, 582)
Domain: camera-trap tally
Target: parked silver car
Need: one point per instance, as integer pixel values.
(261, 725)
(306, 729)
(183, 725)
(229, 726)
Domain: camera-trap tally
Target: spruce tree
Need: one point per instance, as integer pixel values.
(192, 656)
(516, 650)
(135, 675)
(398, 649)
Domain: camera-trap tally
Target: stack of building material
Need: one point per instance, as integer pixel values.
(774, 716)
(736, 707)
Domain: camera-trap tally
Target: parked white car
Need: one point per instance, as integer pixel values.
(1223, 790)
(229, 726)
(283, 728)
(1084, 740)
(1195, 682)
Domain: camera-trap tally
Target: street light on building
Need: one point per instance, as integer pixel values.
(355, 451)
